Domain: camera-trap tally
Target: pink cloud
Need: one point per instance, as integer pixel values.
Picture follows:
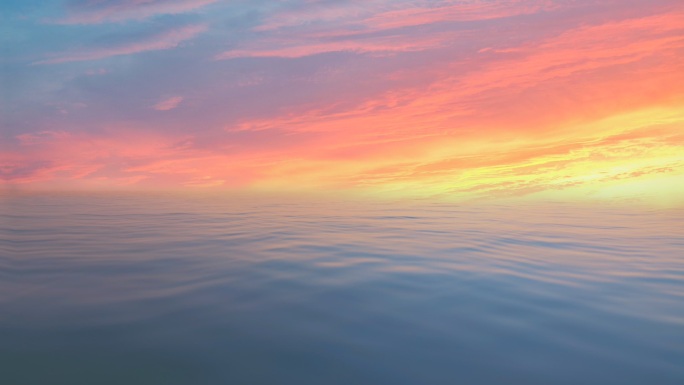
(162, 41)
(458, 11)
(65, 157)
(370, 27)
(382, 14)
(168, 103)
(539, 86)
(379, 45)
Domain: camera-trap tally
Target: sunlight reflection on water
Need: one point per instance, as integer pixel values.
(162, 289)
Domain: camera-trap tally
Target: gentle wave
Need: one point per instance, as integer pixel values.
(163, 289)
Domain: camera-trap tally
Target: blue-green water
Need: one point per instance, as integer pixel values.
(161, 289)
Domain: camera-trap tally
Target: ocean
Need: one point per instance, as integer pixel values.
(166, 289)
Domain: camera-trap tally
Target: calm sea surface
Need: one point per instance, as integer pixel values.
(161, 289)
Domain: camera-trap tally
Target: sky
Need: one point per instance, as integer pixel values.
(470, 99)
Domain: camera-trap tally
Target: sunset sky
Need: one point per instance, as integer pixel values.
(471, 99)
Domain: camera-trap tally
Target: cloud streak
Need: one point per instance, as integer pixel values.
(168, 103)
(376, 27)
(96, 12)
(159, 41)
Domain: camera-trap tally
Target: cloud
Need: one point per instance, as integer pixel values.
(372, 27)
(168, 103)
(155, 42)
(457, 12)
(22, 170)
(95, 12)
(64, 158)
(466, 99)
(383, 15)
(378, 45)
(512, 119)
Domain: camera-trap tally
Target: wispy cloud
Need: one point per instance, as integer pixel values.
(378, 45)
(372, 27)
(167, 104)
(159, 41)
(375, 15)
(95, 12)
(455, 12)
(483, 90)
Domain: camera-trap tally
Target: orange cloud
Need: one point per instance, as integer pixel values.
(529, 119)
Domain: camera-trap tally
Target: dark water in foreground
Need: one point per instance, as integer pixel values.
(119, 289)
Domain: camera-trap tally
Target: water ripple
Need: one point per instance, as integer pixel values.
(163, 289)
